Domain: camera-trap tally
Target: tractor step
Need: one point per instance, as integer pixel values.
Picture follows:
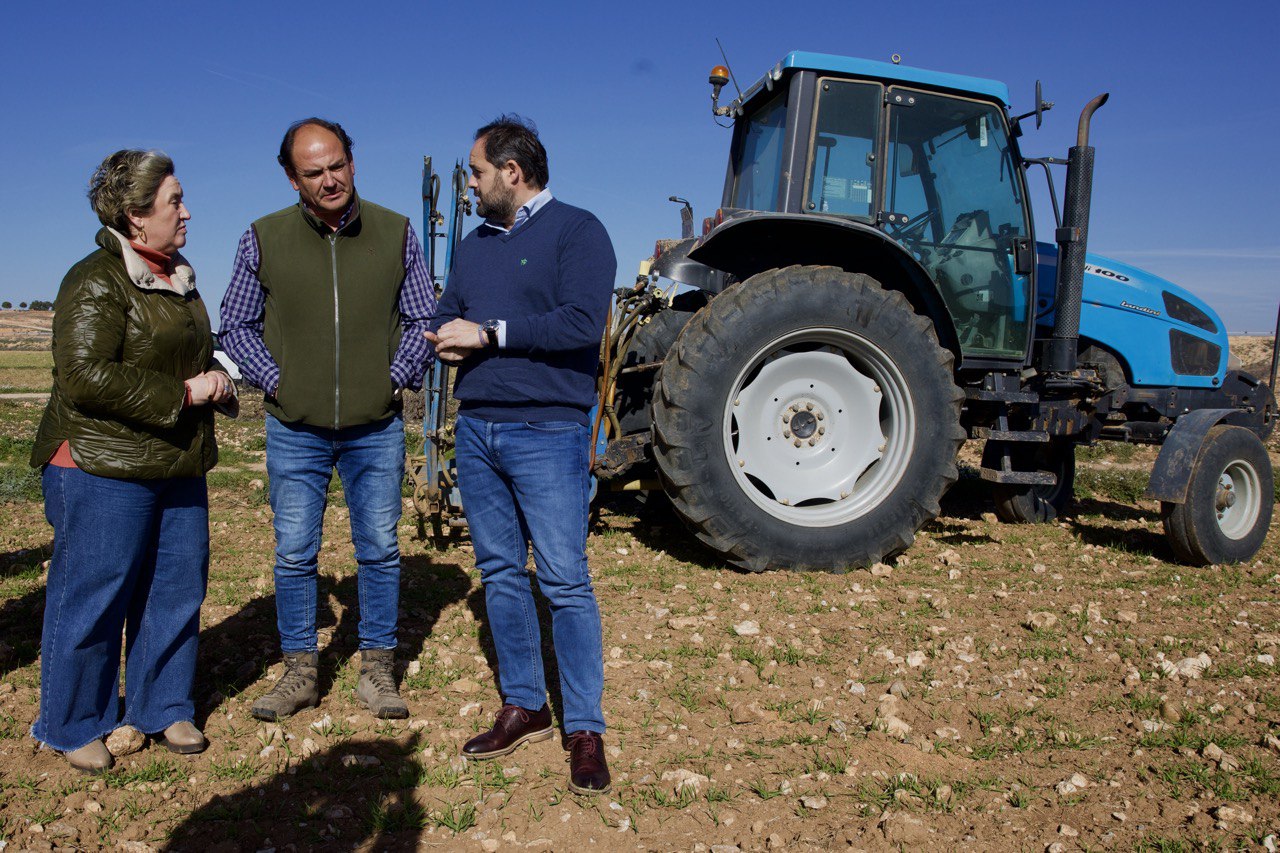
(1031, 436)
(1001, 396)
(1022, 478)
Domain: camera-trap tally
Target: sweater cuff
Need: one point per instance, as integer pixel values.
(515, 334)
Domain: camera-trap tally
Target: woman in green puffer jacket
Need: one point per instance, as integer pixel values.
(125, 444)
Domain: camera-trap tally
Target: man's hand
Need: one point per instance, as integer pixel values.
(456, 340)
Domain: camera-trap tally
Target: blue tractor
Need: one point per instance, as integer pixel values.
(800, 377)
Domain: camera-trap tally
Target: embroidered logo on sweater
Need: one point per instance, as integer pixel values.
(524, 261)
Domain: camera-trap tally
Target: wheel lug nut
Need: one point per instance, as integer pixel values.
(882, 447)
(796, 442)
(822, 430)
(808, 407)
(742, 463)
(821, 416)
(812, 442)
(786, 433)
(876, 389)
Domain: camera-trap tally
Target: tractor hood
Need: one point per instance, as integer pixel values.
(1164, 333)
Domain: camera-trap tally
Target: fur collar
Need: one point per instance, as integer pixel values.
(182, 282)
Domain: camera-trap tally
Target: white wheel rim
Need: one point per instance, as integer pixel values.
(846, 403)
(1238, 514)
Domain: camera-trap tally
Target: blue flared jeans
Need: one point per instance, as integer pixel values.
(527, 483)
(370, 463)
(131, 557)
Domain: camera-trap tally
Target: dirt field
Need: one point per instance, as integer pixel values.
(1056, 687)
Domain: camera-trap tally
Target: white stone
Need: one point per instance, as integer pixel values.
(1041, 620)
(360, 761)
(747, 628)
(125, 740)
(685, 779)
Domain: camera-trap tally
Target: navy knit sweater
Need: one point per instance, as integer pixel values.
(551, 281)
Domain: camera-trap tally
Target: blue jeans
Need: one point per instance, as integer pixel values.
(129, 555)
(529, 482)
(370, 463)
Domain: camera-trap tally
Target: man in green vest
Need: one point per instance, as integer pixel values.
(325, 312)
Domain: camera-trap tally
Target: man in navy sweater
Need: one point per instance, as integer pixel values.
(522, 317)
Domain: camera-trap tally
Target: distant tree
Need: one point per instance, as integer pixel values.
(40, 305)
(22, 305)
(6, 304)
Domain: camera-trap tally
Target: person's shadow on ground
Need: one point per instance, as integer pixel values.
(353, 795)
(237, 652)
(21, 618)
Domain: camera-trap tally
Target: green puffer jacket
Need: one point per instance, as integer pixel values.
(124, 341)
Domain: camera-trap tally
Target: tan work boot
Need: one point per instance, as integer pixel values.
(377, 688)
(92, 758)
(295, 690)
(184, 738)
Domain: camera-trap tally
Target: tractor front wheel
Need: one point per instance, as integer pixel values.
(1225, 516)
(807, 419)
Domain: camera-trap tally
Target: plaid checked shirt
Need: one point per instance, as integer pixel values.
(244, 302)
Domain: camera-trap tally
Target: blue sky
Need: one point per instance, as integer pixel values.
(1187, 175)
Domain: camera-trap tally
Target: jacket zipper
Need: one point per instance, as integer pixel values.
(337, 338)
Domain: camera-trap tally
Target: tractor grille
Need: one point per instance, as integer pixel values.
(1192, 356)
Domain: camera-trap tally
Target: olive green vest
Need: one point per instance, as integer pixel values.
(332, 317)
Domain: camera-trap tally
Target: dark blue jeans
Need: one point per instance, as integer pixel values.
(370, 463)
(131, 556)
(522, 483)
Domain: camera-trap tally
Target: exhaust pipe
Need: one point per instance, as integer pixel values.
(1061, 350)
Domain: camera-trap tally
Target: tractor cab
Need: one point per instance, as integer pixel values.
(926, 159)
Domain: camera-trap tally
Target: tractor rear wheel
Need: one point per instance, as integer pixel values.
(1016, 504)
(1228, 507)
(807, 419)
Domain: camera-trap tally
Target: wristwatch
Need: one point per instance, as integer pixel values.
(490, 329)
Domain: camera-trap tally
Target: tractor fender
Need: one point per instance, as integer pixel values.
(1172, 471)
(751, 242)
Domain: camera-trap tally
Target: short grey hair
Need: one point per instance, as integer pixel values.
(127, 182)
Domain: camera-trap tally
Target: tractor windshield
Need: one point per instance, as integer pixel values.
(950, 171)
(757, 157)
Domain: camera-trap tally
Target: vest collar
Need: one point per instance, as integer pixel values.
(182, 282)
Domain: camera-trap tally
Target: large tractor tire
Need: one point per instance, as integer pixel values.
(1229, 499)
(807, 419)
(1020, 504)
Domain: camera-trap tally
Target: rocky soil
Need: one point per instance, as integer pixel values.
(1056, 687)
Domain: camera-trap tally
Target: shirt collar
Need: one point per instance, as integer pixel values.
(349, 215)
(523, 214)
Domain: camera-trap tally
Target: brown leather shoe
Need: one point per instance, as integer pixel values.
(514, 726)
(588, 771)
(92, 758)
(184, 738)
